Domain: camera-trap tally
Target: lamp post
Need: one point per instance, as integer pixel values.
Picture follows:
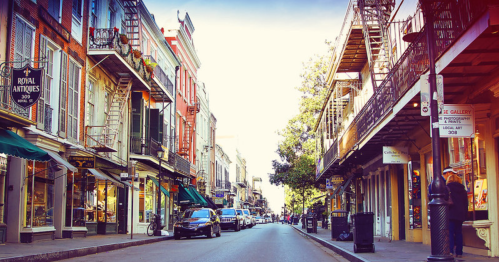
(160, 154)
(438, 206)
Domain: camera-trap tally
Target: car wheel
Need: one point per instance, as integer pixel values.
(238, 227)
(210, 235)
(219, 233)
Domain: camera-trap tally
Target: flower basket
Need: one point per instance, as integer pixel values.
(149, 68)
(137, 53)
(124, 39)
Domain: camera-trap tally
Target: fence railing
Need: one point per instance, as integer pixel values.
(161, 76)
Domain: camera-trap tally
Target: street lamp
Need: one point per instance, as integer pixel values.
(439, 208)
(160, 154)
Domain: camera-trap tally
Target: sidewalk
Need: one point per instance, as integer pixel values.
(51, 250)
(385, 251)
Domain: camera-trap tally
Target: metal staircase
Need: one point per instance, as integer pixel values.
(132, 22)
(189, 130)
(104, 142)
(375, 15)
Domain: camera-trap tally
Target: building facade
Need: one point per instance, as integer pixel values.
(381, 111)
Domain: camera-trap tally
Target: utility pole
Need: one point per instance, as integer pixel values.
(438, 206)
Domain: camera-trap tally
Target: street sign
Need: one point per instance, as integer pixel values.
(329, 184)
(124, 176)
(426, 96)
(457, 120)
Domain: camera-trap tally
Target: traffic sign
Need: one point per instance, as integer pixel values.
(457, 120)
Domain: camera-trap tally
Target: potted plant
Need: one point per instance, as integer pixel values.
(124, 39)
(137, 53)
(149, 65)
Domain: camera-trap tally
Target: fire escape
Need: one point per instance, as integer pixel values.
(104, 142)
(189, 131)
(132, 22)
(375, 15)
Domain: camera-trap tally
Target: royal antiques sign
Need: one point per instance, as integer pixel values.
(26, 85)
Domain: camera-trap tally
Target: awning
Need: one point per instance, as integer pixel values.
(129, 183)
(210, 203)
(61, 161)
(103, 176)
(225, 202)
(199, 198)
(163, 189)
(184, 196)
(13, 145)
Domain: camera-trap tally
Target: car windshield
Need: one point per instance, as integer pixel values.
(258, 217)
(239, 212)
(246, 212)
(228, 212)
(196, 214)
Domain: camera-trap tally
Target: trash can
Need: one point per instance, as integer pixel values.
(339, 223)
(363, 232)
(310, 225)
(296, 220)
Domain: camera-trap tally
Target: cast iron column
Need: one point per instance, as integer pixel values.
(158, 208)
(438, 206)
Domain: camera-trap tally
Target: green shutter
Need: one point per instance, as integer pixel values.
(137, 107)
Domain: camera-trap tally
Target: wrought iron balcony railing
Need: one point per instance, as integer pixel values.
(6, 102)
(144, 146)
(160, 75)
(107, 39)
(182, 165)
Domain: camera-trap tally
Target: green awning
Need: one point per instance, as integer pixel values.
(163, 189)
(13, 145)
(225, 202)
(184, 196)
(199, 198)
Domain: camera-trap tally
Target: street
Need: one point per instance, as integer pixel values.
(266, 242)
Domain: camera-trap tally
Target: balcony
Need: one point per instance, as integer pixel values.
(182, 166)
(227, 186)
(118, 58)
(10, 113)
(161, 82)
(140, 146)
(405, 73)
(257, 191)
(241, 182)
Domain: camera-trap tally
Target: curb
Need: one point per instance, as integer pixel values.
(79, 252)
(341, 251)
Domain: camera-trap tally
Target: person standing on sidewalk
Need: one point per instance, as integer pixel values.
(458, 208)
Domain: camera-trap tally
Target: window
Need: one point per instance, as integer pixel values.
(3, 174)
(145, 42)
(44, 110)
(93, 14)
(77, 9)
(75, 200)
(39, 195)
(146, 197)
(111, 14)
(54, 9)
(74, 81)
(23, 45)
(91, 199)
(77, 28)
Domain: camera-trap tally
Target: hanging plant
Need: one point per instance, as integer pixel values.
(137, 53)
(124, 39)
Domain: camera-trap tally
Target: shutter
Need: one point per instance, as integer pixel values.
(18, 48)
(40, 107)
(146, 124)
(154, 124)
(137, 105)
(73, 81)
(63, 94)
(161, 129)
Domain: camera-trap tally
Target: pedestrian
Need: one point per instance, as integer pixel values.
(458, 208)
(445, 174)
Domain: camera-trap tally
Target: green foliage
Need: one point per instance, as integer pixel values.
(296, 168)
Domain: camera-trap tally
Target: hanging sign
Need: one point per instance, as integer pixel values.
(82, 162)
(395, 155)
(218, 201)
(219, 194)
(457, 120)
(329, 184)
(26, 85)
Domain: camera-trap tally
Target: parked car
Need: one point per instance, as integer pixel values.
(197, 222)
(229, 219)
(260, 220)
(246, 220)
(251, 219)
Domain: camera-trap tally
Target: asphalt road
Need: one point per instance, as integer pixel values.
(267, 242)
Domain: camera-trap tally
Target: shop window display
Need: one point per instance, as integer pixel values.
(146, 197)
(106, 201)
(414, 186)
(39, 195)
(75, 200)
(3, 174)
(467, 157)
(91, 199)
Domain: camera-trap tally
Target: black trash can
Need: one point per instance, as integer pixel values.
(363, 232)
(339, 223)
(310, 225)
(296, 220)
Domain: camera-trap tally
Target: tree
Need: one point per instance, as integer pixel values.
(296, 167)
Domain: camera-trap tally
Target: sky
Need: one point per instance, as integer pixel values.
(251, 55)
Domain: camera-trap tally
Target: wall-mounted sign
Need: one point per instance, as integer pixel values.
(218, 201)
(26, 85)
(336, 180)
(219, 194)
(83, 162)
(425, 94)
(457, 121)
(329, 184)
(395, 155)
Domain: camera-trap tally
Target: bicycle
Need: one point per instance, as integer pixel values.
(152, 224)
